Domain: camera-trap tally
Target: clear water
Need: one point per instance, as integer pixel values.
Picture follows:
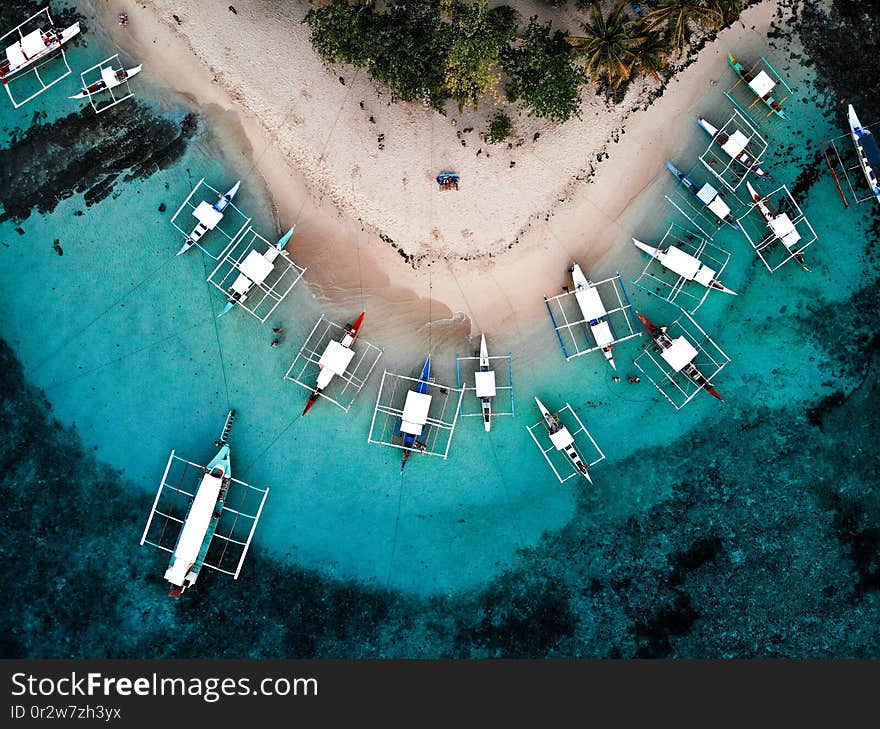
(122, 338)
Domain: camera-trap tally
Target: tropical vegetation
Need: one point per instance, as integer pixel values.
(435, 51)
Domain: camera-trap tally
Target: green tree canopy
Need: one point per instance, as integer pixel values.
(610, 45)
(477, 37)
(542, 75)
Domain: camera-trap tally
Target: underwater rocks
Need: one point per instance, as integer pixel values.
(66, 518)
(13, 12)
(85, 153)
(842, 42)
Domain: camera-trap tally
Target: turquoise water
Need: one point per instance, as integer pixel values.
(122, 338)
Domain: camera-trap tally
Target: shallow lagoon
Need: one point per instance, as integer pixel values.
(133, 359)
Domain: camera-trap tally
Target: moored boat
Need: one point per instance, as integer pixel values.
(679, 354)
(255, 268)
(415, 413)
(594, 312)
(707, 195)
(485, 384)
(867, 151)
(562, 440)
(32, 48)
(761, 84)
(110, 79)
(335, 360)
(735, 145)
(208, 216)
(685, 265)
(199, 524)
(780, 225)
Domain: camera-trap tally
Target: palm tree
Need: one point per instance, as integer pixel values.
(651, 54)
(677, 16)
(609, 45)
(729, 9)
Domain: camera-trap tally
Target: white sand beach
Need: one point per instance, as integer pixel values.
(490, 250)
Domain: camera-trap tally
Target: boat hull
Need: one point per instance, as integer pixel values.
(101, 86)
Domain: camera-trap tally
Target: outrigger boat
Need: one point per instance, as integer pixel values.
(32, 48)
(780, 226)
(761, 84)
(685, 265)
(594, 312)
(208, 216)
(410, 429)
(110, 79)
(254, 269)
(485, 384)
(335, 360)
(679, 354)
(734, 145)
(201, 520)
(867, 150)
(707, 195)
(563, 440)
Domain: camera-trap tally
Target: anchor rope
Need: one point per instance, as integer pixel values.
(217, 333)
(123, 357)
(292, 424)
(396, 531)
(81, 330)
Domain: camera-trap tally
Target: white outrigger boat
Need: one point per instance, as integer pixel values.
(208, 216)
(867, 151)
(335, 360)
(30, 50)
(563, 441)
(735, 145)
(679, 354)
(110, 79)
(780, 225)
(595, 313)
(485, 384)
(200, 524)
(255, 269)
(707, 195)
(205, 506)
(685, 265)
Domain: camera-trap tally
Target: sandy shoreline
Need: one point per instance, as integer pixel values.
(316, 150)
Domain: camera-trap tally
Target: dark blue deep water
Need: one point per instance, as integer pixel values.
(767, 542)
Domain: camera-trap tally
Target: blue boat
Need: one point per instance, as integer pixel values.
(707, 195)
(415, 413)
(866, 148)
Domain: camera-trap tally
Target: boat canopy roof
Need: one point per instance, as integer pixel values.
(256, 267)
(192, 534)
(15, 56)
(785, 230)
(735, 143)
(242, 284)
(590, 302)
(108, 75)
(33, 44)
(562, 438)
(682, 263)
(415, 412)
(336, 358)
(704, 275)
(485, 383)
(719, 207)
(207, 215)
(680, 354)
(762, 84)
(602, 333)
(707, 193)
